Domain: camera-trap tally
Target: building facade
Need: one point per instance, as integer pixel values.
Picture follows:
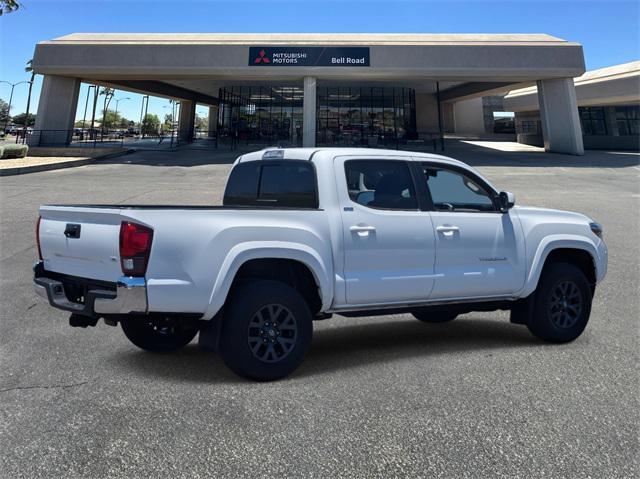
(608, 106)
(316, 89)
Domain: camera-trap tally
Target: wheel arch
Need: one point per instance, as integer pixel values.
(288, 262)
(574, 250)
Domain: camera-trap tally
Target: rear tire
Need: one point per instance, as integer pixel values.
(562, 304)
(160, 335)
(434, 316)
(266, 330)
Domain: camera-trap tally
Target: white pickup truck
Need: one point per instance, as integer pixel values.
(305, 233)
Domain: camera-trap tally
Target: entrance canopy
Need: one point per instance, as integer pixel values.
(432, 69)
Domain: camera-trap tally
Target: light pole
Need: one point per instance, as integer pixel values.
(13, 85)
(145, 100)
(86, 104)
(118, 100)
(93, 113)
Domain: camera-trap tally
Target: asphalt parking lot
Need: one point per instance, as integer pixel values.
(376, 397)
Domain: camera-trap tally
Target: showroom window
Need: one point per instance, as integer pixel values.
(592, 120)
(628, 120)
(365, 116)
(528, 126)
(261, 114)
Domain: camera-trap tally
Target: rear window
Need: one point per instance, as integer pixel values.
(285, 184)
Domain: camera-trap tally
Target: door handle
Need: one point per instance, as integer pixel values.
(362, 229)
(72, 230)
(447, 230)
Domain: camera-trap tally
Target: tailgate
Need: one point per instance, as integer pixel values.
(90, 247)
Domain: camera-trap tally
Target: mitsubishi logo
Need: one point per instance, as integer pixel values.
(262, 57)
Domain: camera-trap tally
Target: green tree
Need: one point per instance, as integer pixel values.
(202, 123)
(168, 122)
(20, 119)
(124, 123)
(4, 111)
(114, 120)
(150, 124)
(8, 6)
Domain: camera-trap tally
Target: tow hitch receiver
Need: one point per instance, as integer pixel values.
(79, 321)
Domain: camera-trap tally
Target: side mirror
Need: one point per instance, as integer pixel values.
(506, 200)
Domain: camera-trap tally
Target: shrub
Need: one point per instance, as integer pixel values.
(14, 151)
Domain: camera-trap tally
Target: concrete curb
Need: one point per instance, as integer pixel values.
(59, 166)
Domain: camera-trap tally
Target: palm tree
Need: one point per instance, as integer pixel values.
(8, 6)
(108, 95)
(29, 69)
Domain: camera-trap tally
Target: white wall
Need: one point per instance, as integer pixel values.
(426, 113)
(468, 116)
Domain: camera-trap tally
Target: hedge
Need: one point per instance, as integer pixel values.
(13, 151)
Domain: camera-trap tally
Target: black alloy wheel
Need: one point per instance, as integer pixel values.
(266, 330)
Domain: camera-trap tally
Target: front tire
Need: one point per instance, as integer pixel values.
(562, 304)
(160, 335)
(266, 330)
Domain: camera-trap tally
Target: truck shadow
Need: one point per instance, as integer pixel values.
(340, 348)
(353, 346)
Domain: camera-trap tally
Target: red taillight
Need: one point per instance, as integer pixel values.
(135, 246)
(38, 237)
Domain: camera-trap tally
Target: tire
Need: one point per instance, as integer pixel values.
(266, 330)
(434, 316)
(160, 335)
(562, 304)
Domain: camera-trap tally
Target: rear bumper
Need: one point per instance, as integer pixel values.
(127, 295)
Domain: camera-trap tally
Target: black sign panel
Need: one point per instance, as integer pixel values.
(309, 56)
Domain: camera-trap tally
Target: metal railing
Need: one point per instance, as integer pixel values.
(78, 138)
(223, 139)
(234, 140)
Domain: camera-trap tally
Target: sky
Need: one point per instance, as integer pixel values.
(608, 30)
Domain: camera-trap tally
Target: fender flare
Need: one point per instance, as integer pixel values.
(243, 252)
(549, 244)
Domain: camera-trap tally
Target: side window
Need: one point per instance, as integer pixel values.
(453, 191)
(288, 184)
(385, 184)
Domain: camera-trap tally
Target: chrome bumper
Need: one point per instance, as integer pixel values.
(129, 297)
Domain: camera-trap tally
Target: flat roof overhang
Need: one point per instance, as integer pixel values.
(615, 85)
(183, 59)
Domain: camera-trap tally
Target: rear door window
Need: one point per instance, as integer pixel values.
(285, 184)
(383, 184)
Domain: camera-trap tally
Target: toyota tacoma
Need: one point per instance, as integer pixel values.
(305, 233)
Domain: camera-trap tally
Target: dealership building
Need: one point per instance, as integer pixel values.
(317, 89)
(608, 106)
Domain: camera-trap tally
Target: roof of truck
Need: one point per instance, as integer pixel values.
(308, 153)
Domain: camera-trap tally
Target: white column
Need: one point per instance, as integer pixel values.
(56, 111)
(309, 113)
(186, 120)
(559, 116)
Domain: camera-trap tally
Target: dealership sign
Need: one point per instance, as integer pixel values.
(309, 56)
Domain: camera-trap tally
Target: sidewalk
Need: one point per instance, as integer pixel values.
(32, 164)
